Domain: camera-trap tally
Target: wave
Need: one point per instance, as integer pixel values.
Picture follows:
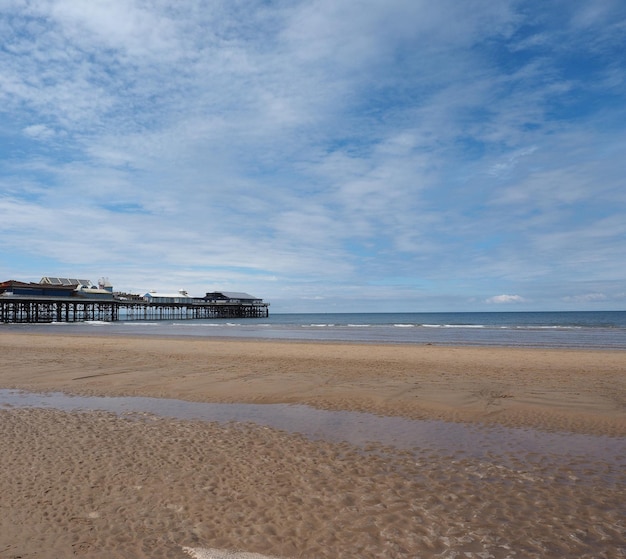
(551, 327)
(428, 325)
(453, 326)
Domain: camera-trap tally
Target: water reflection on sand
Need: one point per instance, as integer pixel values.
(482, 442)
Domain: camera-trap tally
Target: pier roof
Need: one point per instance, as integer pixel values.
(65, 282)
(232, 295)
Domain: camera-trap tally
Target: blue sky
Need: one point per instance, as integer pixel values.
(326, 155)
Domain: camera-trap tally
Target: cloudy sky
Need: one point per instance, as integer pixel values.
(325, 155)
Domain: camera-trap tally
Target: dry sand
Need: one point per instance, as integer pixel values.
(95, 484)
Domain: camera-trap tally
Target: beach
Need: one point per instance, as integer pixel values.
(100, 484)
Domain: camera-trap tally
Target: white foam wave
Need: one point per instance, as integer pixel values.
(453, 325)
(551, 327)
(201, 325)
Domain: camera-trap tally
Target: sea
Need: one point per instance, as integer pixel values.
(564, 329)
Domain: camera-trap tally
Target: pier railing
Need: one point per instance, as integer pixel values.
(24, 309)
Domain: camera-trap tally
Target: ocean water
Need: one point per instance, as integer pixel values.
(584, 329)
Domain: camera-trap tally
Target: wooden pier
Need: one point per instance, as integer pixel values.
(24, 309)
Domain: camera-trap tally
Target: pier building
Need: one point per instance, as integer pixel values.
(73, 300)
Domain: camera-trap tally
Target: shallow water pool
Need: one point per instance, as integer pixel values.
(489, 443)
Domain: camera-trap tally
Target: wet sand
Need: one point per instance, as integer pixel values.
(98, 484)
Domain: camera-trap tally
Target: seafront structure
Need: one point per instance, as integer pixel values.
(74, 300)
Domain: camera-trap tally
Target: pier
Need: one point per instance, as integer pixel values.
(68, 300)
(19, 309)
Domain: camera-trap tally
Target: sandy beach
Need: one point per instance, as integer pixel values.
(97, 484)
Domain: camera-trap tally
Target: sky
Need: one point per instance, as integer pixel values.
(324, 155)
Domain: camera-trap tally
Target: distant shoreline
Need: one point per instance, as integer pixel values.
(605, 330)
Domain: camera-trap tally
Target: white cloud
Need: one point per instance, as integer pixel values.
(586, 298)
(504, 299)
(39, 131)
(510, 161)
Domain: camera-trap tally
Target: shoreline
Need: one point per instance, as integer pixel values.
(556, 330)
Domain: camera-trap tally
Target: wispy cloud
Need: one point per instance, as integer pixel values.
(317, 150)
(505, 299)
(586, 298)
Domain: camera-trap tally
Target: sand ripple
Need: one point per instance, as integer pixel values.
(99, 485)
